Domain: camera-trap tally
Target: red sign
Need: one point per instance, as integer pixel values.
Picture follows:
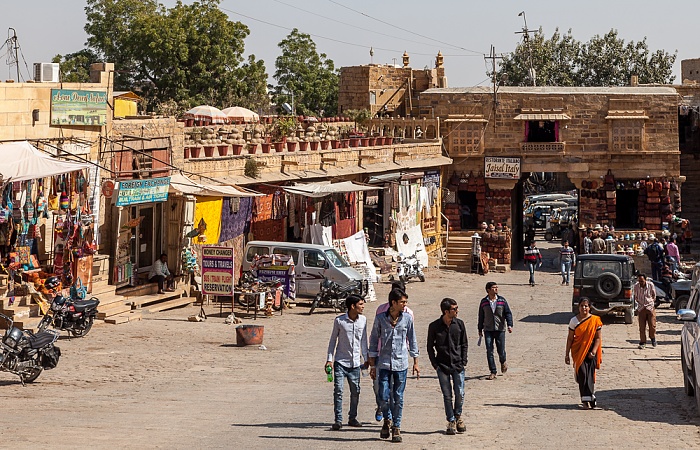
(108, 188)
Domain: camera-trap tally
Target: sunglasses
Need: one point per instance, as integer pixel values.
(455, 308)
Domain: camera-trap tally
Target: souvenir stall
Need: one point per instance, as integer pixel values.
(46, 225)
(268, 214)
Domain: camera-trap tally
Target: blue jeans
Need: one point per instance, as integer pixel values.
(500, 338)
(447, 387)
(531, 268)
(394, 392)
(378, 398)
(353, 376)
(565, 271)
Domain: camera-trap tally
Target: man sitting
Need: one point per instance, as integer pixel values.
(159, 274)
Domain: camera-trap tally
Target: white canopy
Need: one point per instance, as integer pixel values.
(323, 189)
(22, 161)
(240, 113)
(181, 183)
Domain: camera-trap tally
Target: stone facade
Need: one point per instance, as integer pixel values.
(690, 70)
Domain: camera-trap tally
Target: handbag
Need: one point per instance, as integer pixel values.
(52, 203)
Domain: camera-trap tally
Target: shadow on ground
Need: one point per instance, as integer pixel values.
(561, 318)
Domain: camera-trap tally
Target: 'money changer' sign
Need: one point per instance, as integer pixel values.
(143, 191)
(217, 270)
(502, 168)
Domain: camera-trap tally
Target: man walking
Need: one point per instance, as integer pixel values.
(394, 329)
(348, 343)
(447, 350)
(655, 253)
(645, 296)
(598, 243)
(567, 259)
(588, 243)
(532, 259)
(494, 316)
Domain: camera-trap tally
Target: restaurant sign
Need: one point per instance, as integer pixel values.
(72, 107)
(217, 270)
(502, 168)
(133, 192)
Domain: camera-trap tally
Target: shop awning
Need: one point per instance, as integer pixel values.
(22, 161)
(182, 184)
(264, 177)
(543, 116)
(322, 189)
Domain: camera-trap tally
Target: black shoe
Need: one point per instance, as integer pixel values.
(336, 426)
(354, 423)
(384, 434)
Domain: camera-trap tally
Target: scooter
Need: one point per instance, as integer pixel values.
(409, 267)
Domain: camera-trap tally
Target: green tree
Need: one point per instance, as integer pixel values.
(75, 67)
(310, 76)
(602, 61)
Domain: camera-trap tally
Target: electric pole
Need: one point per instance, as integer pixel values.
(494, 79)
(526, 38)
(12, 40)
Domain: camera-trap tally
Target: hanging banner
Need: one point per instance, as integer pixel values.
(502, 168)
(143, 191)
(217, 270)
(79, 108)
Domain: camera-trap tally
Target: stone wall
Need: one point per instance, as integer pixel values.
(690, 70)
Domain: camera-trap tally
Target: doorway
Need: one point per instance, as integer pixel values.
(147, 236)
(626, 210)
(467, 209)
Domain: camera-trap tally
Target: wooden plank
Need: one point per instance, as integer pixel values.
(170, 304)
(124, 318)
(102, 314)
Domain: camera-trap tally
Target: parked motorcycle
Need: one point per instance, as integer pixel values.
(74, 316)
(26, 354)
(333, 295)
(409, 267)
(677, 294)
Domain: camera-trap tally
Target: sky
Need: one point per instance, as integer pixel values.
(345, 30)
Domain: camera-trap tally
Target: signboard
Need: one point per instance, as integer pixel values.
(217, 270)
(78, 108)
(143, 191)
(502, 168)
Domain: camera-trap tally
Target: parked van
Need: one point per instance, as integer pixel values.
(312, 263)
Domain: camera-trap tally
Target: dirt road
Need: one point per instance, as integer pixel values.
(168, 383)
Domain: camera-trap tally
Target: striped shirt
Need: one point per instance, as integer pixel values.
(644, 296)
(532, 254)
(566, 254)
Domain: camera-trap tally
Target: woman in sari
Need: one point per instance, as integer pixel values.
(585, 345)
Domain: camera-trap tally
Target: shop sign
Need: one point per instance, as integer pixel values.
(133, 192)
(108, 188)
(502, 168)
(217, 270)
(78, 108)
(431, 176)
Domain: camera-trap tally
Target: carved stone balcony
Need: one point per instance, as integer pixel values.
(542, 147)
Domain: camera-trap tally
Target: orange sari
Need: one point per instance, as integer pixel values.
(584, 335)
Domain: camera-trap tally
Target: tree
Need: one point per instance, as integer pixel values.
(310, 76)
(75, 67)
(602, 61)
(187, 54)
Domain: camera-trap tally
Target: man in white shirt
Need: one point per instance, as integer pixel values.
(348, 347)
(159, 274)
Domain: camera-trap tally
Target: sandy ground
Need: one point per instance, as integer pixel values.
(164, 382)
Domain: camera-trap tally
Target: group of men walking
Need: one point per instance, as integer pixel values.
(391, 346)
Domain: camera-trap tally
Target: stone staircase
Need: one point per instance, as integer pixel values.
(459, 251)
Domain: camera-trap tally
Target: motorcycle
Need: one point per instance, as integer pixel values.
(677, 293)
(409, 267)
(26, 354)
(333, 295)
(72, 315)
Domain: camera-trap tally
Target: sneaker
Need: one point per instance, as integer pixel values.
(354, 423)
(492, 376)
(653, 343)
(395, 435)
(504, 367)
(461, 427)
(337, 426)
(378, 415)
(642, 346)
(384, 434)
(451, 428)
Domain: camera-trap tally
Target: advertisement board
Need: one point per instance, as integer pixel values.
(217, 270)
(72, 107)
(502, 168)
(133, 192)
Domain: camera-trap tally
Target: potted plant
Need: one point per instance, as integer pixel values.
(283, 127)
(237, 148)
(195, 151)
(303, 145)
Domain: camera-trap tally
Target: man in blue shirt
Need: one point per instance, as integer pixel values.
(349, 344)
(394, 329)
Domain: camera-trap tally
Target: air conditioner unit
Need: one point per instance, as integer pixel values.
(46, 72)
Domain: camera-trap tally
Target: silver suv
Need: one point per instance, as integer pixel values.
(690, 346)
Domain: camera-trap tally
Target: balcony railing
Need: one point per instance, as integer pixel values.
(542, 147)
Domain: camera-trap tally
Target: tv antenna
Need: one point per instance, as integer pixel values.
(12, 47)
(526, 39)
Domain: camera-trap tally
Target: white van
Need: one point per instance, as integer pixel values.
(312, 263)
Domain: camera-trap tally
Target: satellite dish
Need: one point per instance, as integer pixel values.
(286, 108)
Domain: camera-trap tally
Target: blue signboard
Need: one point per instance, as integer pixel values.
(133, 192)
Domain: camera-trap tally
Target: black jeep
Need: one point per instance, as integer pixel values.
(607, 281)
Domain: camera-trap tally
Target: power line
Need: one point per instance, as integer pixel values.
(331, 39)
(404, 29)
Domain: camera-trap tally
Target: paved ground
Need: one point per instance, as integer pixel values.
(168, 383)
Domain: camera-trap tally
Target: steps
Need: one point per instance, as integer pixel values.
(459, 251)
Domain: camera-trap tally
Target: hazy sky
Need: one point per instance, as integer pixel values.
(462, 30)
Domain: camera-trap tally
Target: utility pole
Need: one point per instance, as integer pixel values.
(494, 79)
(526, 38)
(12, 40)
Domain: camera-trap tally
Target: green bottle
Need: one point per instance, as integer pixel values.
(329, 374)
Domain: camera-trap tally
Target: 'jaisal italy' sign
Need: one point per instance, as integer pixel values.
(502, 168)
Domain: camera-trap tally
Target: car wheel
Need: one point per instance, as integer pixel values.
(629, 315)
(548, 236)
(608, 285)
(682, 302)
(687, 385)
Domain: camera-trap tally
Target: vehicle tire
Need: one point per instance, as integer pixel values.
(45, 323)
(657, 303)
(421, 278)
(608, 285)
(548, 236)
(682, 302)
(88, 326)
(340, 305)
(31, 374)
(629, 315)
(247, 300)
(314, 304)
(688, 387)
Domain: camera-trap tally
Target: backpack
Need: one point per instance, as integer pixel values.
(654, 252)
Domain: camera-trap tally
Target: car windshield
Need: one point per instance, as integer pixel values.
(336, 259)
(592, 269)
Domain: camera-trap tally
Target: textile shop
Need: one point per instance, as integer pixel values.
(47, 220)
